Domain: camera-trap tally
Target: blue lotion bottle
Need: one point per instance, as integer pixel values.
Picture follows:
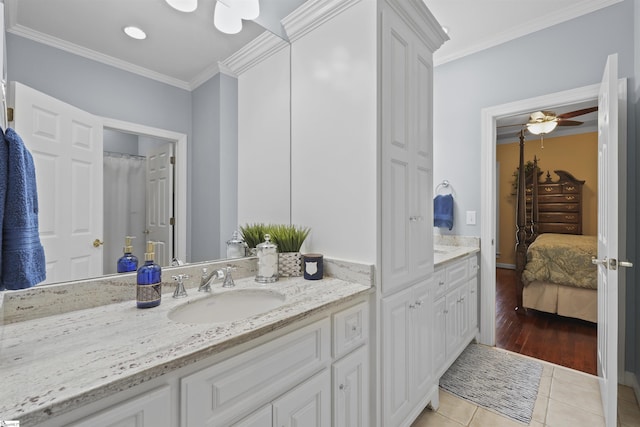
(149, 288)
(128, 262)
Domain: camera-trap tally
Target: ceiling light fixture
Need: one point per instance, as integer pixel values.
(541, 128)
(135, 32)
(183, 5)
(226, 18)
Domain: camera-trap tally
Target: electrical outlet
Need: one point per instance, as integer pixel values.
(471, 217)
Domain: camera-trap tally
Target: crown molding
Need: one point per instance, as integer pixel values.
(262, 47)
(311, 15)
(558, 16)
(95, 56)
(416, 14)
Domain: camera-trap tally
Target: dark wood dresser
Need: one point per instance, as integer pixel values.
(559, 204)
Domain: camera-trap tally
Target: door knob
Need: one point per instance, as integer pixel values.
(97, 243)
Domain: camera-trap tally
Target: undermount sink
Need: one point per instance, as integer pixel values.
(227, 306)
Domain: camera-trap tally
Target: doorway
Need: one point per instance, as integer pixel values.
(489, 117)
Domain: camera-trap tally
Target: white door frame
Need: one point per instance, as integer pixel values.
(180, 140)
(489, 117)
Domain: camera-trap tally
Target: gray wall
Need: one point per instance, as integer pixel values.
(110, 92)
(562, 57)
(633, 294)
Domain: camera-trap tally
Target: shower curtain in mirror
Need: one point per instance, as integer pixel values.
(124, 207)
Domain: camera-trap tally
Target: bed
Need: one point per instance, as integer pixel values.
(554, 272)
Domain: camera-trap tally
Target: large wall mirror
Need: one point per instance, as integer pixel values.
(75, 51)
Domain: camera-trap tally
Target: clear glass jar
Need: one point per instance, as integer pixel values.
(267, 261)
(236, 248)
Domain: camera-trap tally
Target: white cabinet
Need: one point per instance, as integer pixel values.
(406, 352)
(351, 390)
(407, 170)
(454, 311)
(263, 417)
(309, 404)
(152, 409)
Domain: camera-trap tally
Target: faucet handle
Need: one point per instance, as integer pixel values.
(180, 291)
(228, 280)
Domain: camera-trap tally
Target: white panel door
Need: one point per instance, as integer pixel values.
(308, 405)
(422, 341)
(608, 239)
(66, 145)
(160, 202)
(351, 390)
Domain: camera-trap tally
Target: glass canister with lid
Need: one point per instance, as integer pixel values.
(267, 253)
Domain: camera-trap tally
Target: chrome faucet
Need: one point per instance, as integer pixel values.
(180, 291)
(228, 280)
(206, 280)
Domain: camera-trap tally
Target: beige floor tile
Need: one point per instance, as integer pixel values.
(626, 393)
(547, 369)
(628, 414)
(579, 378)
(540, 409)
(434, 419)
(545, 386)
(575, 394)
(536, 424)
(455, 408)
(560, 414)
(484, 418)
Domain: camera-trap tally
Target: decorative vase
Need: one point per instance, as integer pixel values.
(290, 264)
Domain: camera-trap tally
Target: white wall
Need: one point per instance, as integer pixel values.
(264, 142)
(334, 139)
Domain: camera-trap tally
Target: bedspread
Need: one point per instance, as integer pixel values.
(562, 258)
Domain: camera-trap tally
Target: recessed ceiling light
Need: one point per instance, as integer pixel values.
(135, 32)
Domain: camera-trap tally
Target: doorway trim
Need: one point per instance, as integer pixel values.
(180, 140)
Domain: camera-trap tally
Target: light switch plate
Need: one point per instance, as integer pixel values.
(471, 217)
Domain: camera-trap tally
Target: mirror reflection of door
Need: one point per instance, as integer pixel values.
(138, 196)
(66, 145)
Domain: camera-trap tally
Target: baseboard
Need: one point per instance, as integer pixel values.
(631, 380)
(502, 265)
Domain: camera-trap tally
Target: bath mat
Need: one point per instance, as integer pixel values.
(501, 382)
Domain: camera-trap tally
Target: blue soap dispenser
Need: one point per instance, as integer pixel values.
(128, 262)
(149, 288)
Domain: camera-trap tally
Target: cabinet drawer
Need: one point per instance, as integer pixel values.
(559, 207)
(457, 273)
(228, 390)
(549, 189)
(569, 217)
(560, 228)
(568, 188)
(439, 281)
(350, 329)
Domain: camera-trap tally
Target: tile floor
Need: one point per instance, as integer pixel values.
(565, 398)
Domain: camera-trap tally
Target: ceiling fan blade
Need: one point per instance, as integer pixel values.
(569, 123)
(577, 113)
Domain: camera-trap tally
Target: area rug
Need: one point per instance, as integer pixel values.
(496, 380)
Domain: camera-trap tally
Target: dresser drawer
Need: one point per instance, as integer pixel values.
(457, 273)
(559, 198)
(350, 329)
(558, 207)
(568, 188)
(560, 228)
(559, 217)
(549, 189)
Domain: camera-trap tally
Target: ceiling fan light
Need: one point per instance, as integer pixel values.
(247, 9)
(183, 5)
(226, 19)
(540, 128)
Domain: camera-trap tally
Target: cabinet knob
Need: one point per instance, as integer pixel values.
(343, 387)
(445, 311)
(418, 303)
(440, 283)
(412, 306)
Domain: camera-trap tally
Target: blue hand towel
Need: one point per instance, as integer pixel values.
(443, 211)
(22, 262)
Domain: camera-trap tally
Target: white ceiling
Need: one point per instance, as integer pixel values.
(183, 49)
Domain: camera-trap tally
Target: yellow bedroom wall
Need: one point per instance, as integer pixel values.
(576, 154)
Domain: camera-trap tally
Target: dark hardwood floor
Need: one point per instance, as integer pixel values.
(556, 339)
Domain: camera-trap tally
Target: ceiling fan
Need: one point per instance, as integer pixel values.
(542, 122)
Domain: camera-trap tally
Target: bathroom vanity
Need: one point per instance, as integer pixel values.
(305, 359)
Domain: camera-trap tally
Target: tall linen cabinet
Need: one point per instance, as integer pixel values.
(361, 174)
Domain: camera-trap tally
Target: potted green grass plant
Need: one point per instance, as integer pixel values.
(253, 234)
(289, 239)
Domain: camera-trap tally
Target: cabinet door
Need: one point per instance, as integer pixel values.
(152, 409)
(452, 317)
(439, 334)
(309, 404)
(351, 390)
(261, 418)
(422, 344)
(463, 313)
(396, 357)
(473, 303)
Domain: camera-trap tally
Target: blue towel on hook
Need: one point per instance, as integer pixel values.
(22, 262)
(443, 211)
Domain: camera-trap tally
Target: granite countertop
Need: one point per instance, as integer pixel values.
(445, 253)
(55, 364)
